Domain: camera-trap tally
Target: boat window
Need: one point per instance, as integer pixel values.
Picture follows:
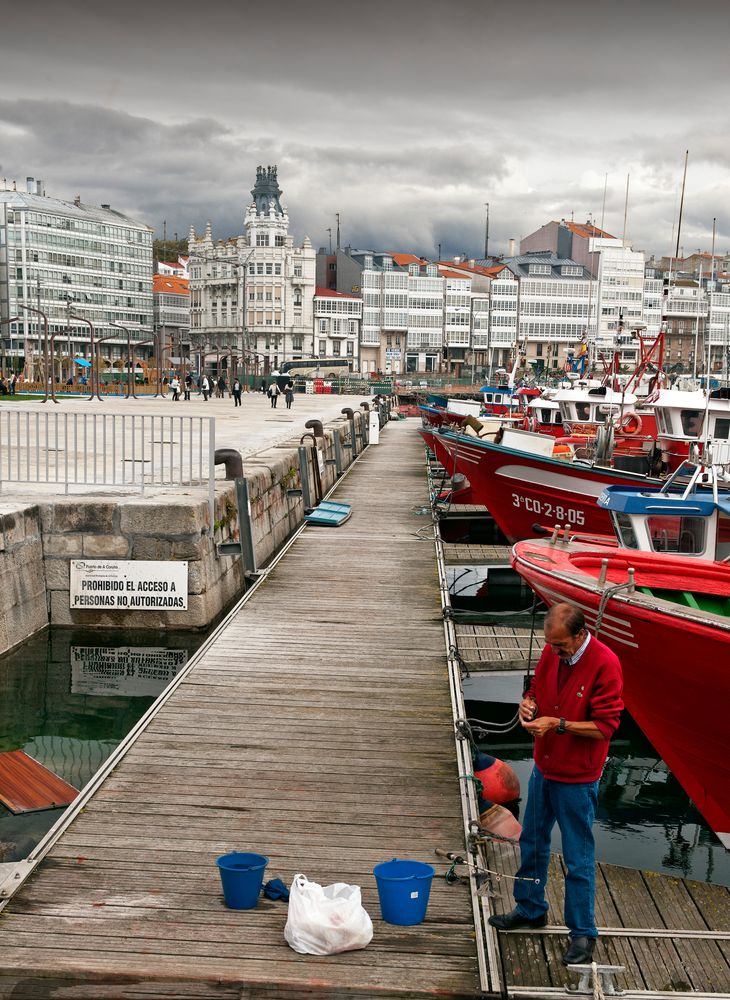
(722, 550)
(487, 397)
(558, 418)
(677, 534)
(624, 530)
(690, 422)
(722, 428)
(545, 416)
(583, 411)
(661, 421)
(599, 414)
(565, 410)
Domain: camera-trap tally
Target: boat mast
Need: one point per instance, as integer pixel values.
(681, 202)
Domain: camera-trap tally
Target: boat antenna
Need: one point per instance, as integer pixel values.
(603, 209)
(681, 203)
(697, 325)
(626, 209)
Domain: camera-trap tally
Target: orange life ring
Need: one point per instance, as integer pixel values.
(630, 423)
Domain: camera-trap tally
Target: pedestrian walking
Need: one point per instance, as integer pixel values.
(175, 387)
(289, 394)
(580, 679)
(221, 386)
(274, 392)
(11, 383)
(237, 392)
(188, 386)
(205, 387)
(263, 385)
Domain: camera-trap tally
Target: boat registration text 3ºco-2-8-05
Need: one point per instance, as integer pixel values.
(546, 509)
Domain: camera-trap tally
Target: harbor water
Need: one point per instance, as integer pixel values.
(68, 697)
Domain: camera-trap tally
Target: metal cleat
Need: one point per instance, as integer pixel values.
(596, 980)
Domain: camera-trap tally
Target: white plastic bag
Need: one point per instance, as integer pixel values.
(326, 920)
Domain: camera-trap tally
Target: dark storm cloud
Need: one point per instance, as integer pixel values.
(404, 119)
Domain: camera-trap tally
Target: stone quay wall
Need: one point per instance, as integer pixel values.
(40, 542)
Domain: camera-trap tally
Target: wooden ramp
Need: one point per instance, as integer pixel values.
(317, 730)
(26, 785)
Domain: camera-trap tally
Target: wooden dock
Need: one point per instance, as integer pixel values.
(488, 648)
(671, 935)
(458, 554)
(316, 729)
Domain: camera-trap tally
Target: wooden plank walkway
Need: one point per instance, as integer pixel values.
(465, 554)
(672, 935)
(487, 648)
(317, 730)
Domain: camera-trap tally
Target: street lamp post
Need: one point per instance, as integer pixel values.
(119, 326)
(13, 319)
(43, 316)
(94, 366)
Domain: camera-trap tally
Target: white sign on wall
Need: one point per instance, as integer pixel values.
(133, 671)
(129, 585)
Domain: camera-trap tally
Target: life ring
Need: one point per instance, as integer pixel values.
(630, 423)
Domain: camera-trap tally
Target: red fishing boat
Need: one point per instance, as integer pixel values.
(663, 606)
(528, 479)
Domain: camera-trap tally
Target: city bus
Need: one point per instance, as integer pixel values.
(316, 368)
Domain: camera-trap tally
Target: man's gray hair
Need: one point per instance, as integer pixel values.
(568, 615)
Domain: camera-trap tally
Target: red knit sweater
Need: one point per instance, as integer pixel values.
(591, 693)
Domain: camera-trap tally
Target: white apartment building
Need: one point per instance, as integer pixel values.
(620, 298)
(337, 324)
(255, 290)
(68, 259)
(718, 324)
(503, 319)
(619, 271)
(426, 304)
(457, 319)
(556, 306)
(172, 312)
(403, 309)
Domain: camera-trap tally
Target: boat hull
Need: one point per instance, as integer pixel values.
(521, 489)
(676, 680)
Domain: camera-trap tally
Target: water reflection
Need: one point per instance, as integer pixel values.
(69, 696)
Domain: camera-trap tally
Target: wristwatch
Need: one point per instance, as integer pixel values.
(561, 727)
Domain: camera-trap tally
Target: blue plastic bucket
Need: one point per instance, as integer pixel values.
(242, 876)
(403, 890)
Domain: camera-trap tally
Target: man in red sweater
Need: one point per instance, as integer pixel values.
(572, 708)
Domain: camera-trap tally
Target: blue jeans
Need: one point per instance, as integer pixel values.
(573, 807)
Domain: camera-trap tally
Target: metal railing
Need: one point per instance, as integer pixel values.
(106, 450)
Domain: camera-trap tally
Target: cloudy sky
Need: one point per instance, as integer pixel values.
(404, 117)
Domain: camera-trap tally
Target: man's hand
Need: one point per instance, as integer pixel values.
(527, 709)
(541, 726)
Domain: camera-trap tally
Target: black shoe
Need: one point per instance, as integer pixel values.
(580, 951)
(514, 920)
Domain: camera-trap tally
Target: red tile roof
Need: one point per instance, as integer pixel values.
(402, 259)
(587, 230)
(170, 283)
(332, 294)
(445, 273)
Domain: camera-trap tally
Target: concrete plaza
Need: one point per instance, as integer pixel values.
(253, 427)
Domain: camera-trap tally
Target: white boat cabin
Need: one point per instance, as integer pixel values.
(680, 415)
(593, 406)
(680, 522)
(544, 411)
